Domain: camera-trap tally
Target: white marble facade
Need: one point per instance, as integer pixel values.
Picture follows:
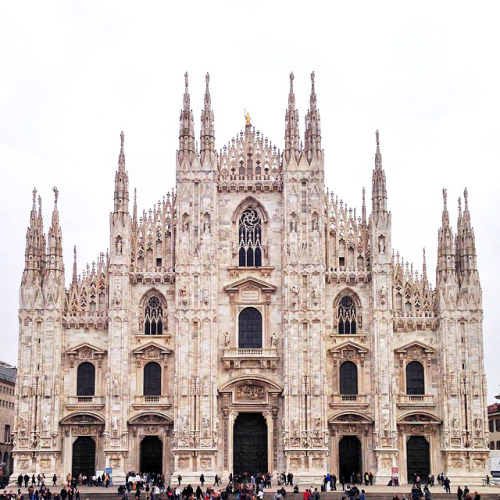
(336, 318)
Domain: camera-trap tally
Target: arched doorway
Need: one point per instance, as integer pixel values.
(151, 455)
(83, 457)
(349, 457)
(417, 457)
(250, 444)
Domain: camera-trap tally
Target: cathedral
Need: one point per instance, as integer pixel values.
(251, 321)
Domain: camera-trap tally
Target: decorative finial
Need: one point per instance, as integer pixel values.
(466, 196)
(377, 138)
(459, 205)
(207, 78)
(291, 78)
(74, 252)
(56, 194)
(247, 117)
(34, 196)
(186, 79)
(312, 78)
(122, 138)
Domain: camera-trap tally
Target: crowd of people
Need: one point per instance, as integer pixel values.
(241, 486)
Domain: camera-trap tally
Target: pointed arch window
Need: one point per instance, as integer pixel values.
(415, 379)
(250, 329)
(347, 316)
(250, 239)
(152, 379)
(348, 378)
(85, 380)
(153, 317)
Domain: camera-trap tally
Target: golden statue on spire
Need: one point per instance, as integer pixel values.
(247, 118)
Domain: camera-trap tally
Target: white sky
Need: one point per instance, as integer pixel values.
(74, 74)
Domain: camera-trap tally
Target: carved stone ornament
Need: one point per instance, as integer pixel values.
(84, 352)
(250, 392)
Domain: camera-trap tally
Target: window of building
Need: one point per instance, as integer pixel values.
(347, 316)
(498, 445)
(250, 239)
(153, 317)
(490, 425)
(250, 329)
(492, 445)
(152, 379)
(348, 378)
(497, 424)
(85, 385)
(6, 436)
(415, 378)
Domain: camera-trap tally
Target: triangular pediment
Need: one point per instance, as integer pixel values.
(415, 345)
(349, 346)
(250, 282)
(152, 348)
(85, 350)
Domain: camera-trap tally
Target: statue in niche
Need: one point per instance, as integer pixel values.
(206, 224)
(273, 339)
(293, 224)
(227, 340)
(381, 245)
(119, 245)
(315, 222)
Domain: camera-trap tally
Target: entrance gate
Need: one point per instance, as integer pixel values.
(151, 455)
(417, 458)
(349, 457)
(250, 444)
(83, 457)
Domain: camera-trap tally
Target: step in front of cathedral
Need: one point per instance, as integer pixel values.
(371, 493)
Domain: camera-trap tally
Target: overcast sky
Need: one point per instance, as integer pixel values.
(74, 74)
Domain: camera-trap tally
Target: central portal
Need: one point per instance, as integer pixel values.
(250, 444)
(151, 455)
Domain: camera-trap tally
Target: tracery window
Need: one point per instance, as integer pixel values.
(348, 378)
(153, 317)
(415, 379)
(152, 379)
(347, 316)
(250, 239)
(250, 329)
(85, 380)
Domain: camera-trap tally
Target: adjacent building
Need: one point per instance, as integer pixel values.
(252, 321)
(7, 412)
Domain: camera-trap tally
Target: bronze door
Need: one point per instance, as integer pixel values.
(250, 444)
(151, 455)
(83, 457)
(417, 458)
(349, 457)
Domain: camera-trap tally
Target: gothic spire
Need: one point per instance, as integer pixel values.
(379, 190)
(446, 250)
(186, 132)
(55, 252)
(75, 268)
(207, 135)
(466, 241)
(313, 126)
(121, 181)
(424, 268)
(292, 137)
(33, 240)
